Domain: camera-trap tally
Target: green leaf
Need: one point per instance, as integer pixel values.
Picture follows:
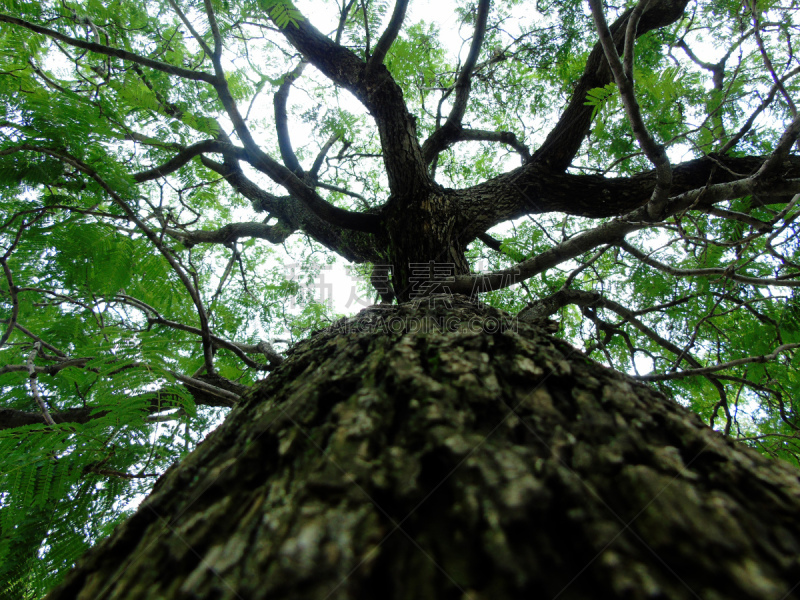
(597, 98)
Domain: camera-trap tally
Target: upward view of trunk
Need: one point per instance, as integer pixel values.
(427, 244)
(444, 450)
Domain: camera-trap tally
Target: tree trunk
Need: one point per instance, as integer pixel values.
(426, 244)
(447, 451)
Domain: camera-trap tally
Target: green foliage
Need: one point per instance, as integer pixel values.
(598, 97)
(58, 497)
(282, 12)
(417, 61)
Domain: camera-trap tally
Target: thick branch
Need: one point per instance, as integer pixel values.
(533, 189)
(275, 234)
(564, 140)
(10, 418)
(334, 215)
(260, 199)
(388, 37)
(380, 94)
(282, 120)
(613, 232)
(490, 242)
(296, 214)
(183, 157)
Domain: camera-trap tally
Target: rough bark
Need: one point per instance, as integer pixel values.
(391, 458)
(532, 190)
(425, 245)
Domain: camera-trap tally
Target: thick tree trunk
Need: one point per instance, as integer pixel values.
(426, 244)
(450, 452)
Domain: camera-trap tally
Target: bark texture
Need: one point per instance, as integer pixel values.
(447, 451)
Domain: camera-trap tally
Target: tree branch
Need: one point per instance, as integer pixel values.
(623, 75)
(114, 52)
(563, 297)
(188, 24)
(323, 152)
(341, 190)
(448, 133)
(227, 234)
(565, 139)
(239, 349)
(630, 37)
(367, 223)
(380, 94)
(296, 214)
(534, 189)
(182, 158)
(212, 22)
(761, 107)
(727, 273)
(36, 338)
(483, 135)
(781, 153)
(387, 39)
(764, 358)
(227, 398)
(490, 242)
(282, 120)
(767, 62)
(11, 418)
(32, 375)
(613, 232)
(12, 291)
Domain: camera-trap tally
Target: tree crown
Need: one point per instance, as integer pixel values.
(629, 171)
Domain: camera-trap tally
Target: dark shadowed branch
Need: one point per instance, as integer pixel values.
(282, 120)
(389, 35)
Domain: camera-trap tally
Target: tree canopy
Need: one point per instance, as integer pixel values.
(171, 173)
